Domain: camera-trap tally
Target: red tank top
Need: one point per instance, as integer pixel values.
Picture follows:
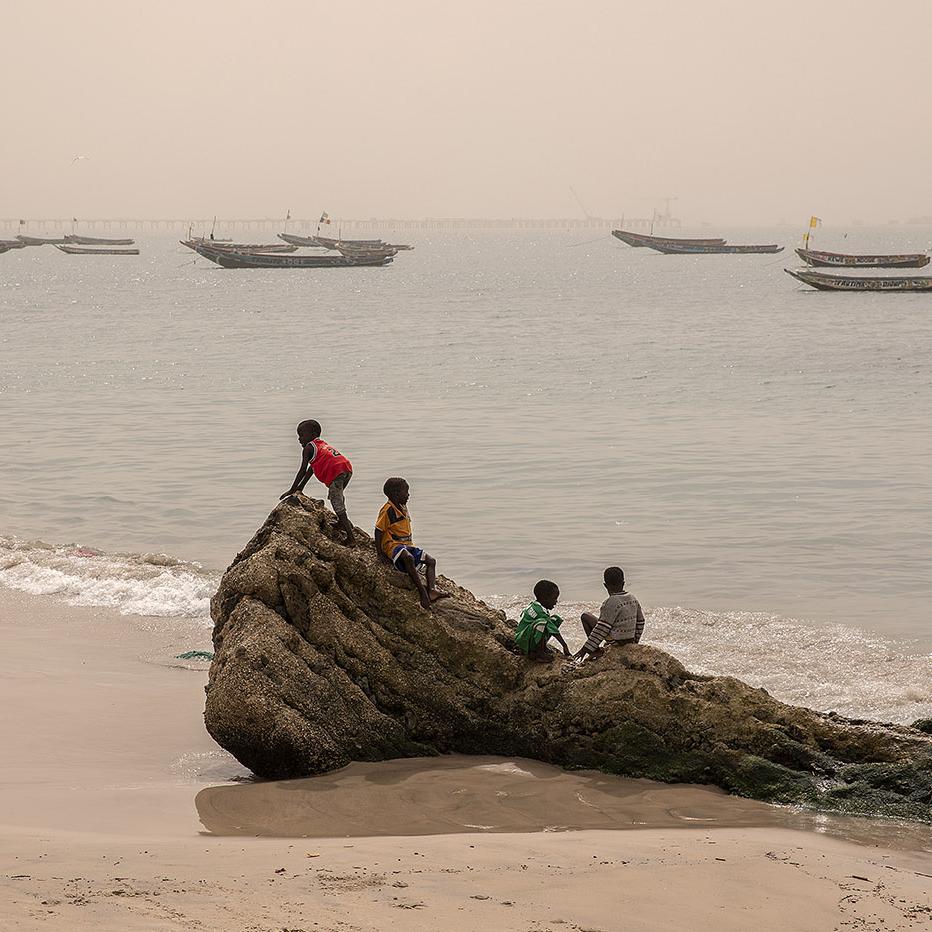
(328, 463)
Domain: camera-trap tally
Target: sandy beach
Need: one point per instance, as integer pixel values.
(118, 811)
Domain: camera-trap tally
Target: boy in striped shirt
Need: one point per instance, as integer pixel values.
(620, 620)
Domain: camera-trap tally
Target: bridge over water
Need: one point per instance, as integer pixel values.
(57, 225)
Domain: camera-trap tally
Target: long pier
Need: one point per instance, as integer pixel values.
(57, 225)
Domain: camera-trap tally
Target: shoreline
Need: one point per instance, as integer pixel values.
(118, 811)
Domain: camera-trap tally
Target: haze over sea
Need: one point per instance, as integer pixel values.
(755, 455)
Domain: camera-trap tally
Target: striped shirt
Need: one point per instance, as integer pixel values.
(620, 619)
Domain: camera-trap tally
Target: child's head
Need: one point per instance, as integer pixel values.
(614, 579)
(547, 593)
(396, 490)
(308, 431)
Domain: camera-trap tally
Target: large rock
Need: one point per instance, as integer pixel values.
(324, 656)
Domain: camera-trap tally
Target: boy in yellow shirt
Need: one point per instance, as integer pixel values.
(394, 545)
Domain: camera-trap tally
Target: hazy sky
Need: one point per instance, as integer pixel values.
(746, 111)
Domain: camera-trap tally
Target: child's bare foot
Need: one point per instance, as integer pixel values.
(425, 600)
(350, 540)
(437, 594)
(543, 656)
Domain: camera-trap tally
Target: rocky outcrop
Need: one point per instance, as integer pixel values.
(323, 656)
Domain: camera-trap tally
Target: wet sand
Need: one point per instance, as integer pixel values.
(117, 811)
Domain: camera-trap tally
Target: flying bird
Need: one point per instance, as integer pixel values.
(78, 158)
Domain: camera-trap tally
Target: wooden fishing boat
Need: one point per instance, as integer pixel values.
(40, 240)
(642, 239)
(825, 282)
(307, 241)
(76, 240)
(329, 243)
(358, 251)
(679, 249)
(240, 247)
(87, 251)
(233, 259)
(12, 244)
(908, 260)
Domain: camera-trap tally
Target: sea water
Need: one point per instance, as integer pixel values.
(754, 454)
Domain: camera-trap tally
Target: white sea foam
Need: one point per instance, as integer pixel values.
(825, 667)
(151, 584)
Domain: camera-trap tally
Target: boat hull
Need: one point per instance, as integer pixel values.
(97, 241)
(41, 240)
(724, 249)
(240, 247)
(306, 241)
(820, 259)
(825, 282)
(87, 251)
(258, 260)
(642, 239)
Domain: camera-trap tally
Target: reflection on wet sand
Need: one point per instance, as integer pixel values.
(456, 794)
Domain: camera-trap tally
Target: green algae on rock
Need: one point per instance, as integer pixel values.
(324, 656)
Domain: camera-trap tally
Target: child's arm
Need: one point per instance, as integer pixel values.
(563, 644)
(598, 634)
(304, 473)
(378, 547)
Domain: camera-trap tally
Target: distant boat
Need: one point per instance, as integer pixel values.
(360, 251)
(329, 243)
(234, 259)
(909, 260)
(294, 240)
(824, 282)
(83, 251)
(239, 247)
(642, 239)
(12, 244)
(3, 248)
(678, 249)
(96, 241)
(41, 240)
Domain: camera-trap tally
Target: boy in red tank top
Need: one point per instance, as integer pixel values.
(330, 466)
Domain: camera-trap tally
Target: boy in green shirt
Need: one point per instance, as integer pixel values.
(538, 624)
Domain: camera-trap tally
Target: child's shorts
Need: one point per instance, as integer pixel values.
(417, 554)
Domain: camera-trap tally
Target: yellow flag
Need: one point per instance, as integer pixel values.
(814, 222)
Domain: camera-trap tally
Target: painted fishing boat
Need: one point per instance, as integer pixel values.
(643, 239)
(75, 240)
(88, 251)
(240, 247)
(908, 260)
(41, 240)
(233, 259)
(825, 282)
(679, 249)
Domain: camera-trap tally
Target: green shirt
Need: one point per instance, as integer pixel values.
(535, 627)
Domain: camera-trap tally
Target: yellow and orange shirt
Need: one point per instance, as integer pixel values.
(395, 525)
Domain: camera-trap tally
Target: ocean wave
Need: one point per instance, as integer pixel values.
(150, 584)
(825, 667)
